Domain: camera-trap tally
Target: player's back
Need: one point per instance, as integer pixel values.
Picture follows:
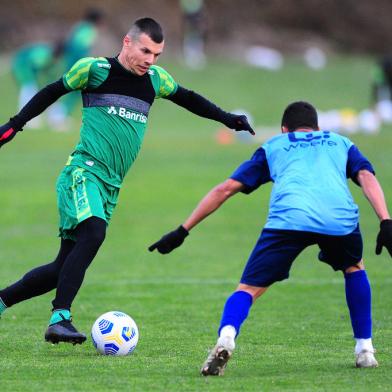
(310, 192)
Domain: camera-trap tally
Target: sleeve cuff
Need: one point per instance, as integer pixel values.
(247, 188)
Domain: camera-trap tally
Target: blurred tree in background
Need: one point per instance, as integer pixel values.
(357, 26)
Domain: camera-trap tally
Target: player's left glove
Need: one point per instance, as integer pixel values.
(384, 237)
(237, 122)
(170, 241)
(7, 133)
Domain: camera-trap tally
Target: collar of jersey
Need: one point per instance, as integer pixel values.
(126, 70)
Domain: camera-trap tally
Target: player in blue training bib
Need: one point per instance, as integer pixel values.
(310, 205)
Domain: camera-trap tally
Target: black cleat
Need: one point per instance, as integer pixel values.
(64, 331)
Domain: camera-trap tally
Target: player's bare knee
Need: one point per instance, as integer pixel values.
(354, 268)
(254, 291)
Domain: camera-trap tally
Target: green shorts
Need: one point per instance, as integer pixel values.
(80, 195)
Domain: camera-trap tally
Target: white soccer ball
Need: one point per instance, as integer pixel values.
(115, 333)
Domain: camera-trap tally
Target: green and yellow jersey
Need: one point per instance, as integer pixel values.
(116, 104)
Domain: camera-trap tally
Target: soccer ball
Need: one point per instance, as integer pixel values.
(115, 333)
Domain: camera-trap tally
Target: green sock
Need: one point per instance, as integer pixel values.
(2, 306)
(59, 315)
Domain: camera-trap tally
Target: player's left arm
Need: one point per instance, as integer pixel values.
(201, 106)
(167, 87)
(361, 171)
(374, 193)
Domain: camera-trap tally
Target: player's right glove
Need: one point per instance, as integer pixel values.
(384, 237)
(170, 241)
(7, 132)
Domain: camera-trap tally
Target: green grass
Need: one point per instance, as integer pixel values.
(298, 336)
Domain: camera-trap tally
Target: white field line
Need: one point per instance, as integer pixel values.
(211, 282)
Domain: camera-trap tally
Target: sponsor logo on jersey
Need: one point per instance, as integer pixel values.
(309, 140)
(124, 113)
(104, 65)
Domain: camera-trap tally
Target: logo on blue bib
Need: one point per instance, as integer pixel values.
(310, 140)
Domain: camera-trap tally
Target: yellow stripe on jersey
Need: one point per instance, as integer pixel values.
(77, 77)
(78, 65)
(167, 85)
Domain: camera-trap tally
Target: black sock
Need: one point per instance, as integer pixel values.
(38, 281)
(90, 234)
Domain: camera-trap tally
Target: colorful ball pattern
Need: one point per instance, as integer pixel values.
(115, 333)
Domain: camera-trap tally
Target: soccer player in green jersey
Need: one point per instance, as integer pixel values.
(382, 88)
(117, 94)
(82, 36)
(30, 64)
(78, 44)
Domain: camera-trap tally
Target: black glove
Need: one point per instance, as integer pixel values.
(170, 241)
(237, 122)
(384, 237)
(7, 133)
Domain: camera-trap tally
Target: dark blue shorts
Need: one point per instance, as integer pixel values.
(275, 251)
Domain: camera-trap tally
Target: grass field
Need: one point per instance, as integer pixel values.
(298, 336)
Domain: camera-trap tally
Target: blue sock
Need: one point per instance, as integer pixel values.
(60, 315)
(236, 310)
(359, 298)
(2, 306)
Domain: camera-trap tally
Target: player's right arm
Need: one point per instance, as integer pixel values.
(247, 178)
(77, 78)
(210, 203)
(33, 108)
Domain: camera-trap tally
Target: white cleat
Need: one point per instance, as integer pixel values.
(218, 357)
(366, 359)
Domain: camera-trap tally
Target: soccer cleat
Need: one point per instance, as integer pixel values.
(218, 357)
(64, 331)
(365, 359)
